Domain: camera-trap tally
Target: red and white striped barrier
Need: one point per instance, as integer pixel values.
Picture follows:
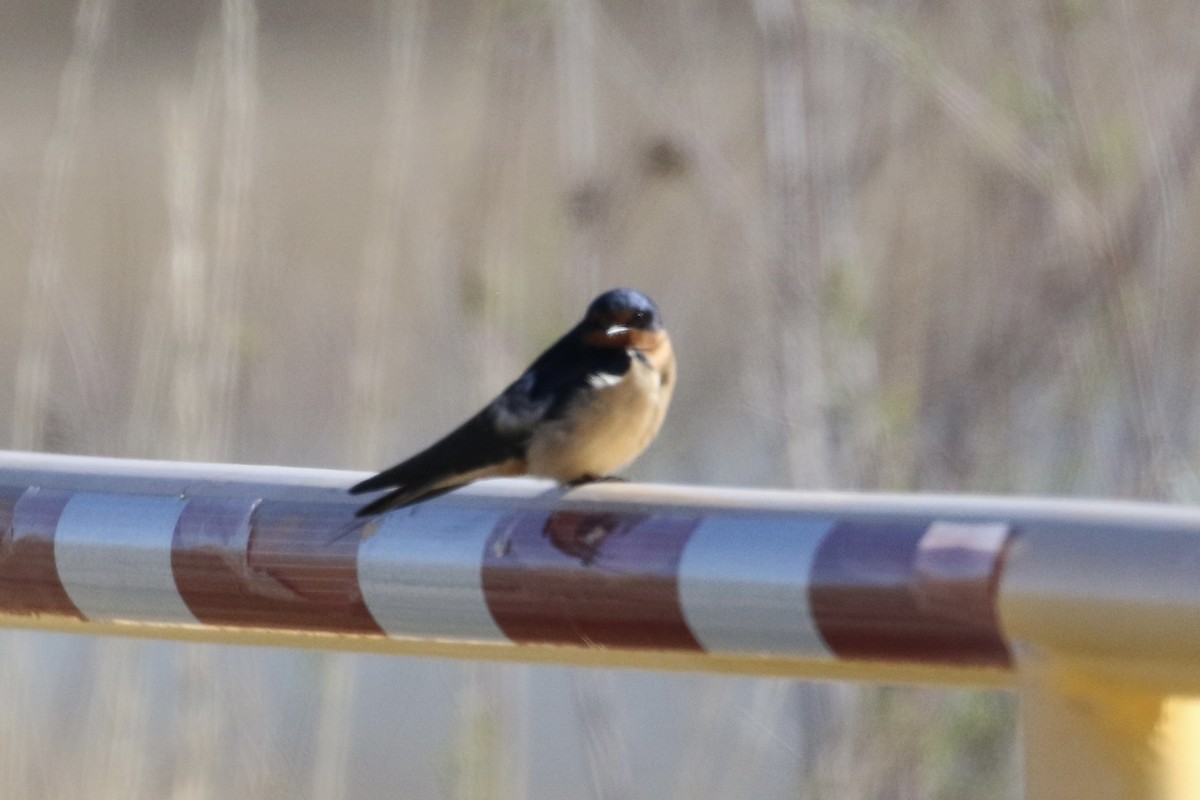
(881, 579)
(1090, 609)
(514, 562)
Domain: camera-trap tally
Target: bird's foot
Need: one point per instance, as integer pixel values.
(597, 479)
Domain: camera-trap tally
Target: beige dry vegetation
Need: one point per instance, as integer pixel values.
(900, 245)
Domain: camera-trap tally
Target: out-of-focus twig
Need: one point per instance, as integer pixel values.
(479, 769)
(1117, 239)
(195, 776)
(596, 706)
(701, 757)
(239, 66)
(490, 223)
(382, 256)
(795, 265)
(723, 184)
(185, 176)
(756, 736)
(116, 766)
(48, 288)
(578, 144)
(1107, 247)
(339, 674)
(990, 129)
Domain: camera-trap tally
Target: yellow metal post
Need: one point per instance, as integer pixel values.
(1106, 624)
(1105, 739)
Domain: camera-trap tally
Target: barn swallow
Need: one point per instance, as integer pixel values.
(586, 408)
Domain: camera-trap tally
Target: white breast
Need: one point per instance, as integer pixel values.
(608, 428)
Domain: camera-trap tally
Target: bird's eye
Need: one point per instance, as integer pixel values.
(640, 318)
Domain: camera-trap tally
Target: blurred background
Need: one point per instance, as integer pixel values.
(900, 244)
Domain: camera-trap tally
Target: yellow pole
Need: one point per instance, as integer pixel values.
(1101, 738)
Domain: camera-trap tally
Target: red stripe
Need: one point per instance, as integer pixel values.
(589, 578)
(29, 582)
(878, 593)
(271, 564)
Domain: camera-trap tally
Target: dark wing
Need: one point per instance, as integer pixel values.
(475, 445)
(551, 384)
(501, 431)
(568, 368)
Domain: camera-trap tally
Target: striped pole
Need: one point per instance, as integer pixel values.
(1090, 609)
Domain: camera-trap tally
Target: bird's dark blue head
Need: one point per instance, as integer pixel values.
(623, 318)
(627, 308)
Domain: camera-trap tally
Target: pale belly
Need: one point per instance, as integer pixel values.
(603, 436)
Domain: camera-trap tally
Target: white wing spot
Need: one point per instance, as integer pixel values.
(604, 380)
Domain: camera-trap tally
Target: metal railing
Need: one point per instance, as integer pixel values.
(1090, 610)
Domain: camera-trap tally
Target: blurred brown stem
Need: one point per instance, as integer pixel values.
(795, 259)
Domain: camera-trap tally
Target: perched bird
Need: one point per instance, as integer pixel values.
(587, 407)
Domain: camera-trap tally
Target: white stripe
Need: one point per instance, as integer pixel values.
(113, 554)
(421, 574)
(604, 380)
(743, 585)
